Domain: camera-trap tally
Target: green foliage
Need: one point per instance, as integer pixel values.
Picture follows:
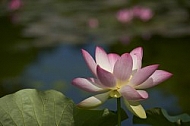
(30, 107)
(98, 118)
(158, 116)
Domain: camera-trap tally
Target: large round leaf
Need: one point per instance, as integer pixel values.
(30, 107)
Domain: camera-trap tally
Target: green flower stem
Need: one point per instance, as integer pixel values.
(119, 111)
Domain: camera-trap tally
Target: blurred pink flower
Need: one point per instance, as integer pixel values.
(119, 76)
(14, 5)
(142, 13)
(124, 15)
(93, 23)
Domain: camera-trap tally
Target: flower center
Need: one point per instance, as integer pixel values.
(115, 94)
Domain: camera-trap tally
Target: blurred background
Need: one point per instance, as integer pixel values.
(41, 42)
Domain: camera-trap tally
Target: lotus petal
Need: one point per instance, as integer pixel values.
(86, 85)
(112, 59)
(94, 101)
(97, 83)
(136, 108)
(157, 77)
(137, 55)
(105, 77)
(142, 75)
(123, 67)
(129, 93)
(89, 61)
(102, 59)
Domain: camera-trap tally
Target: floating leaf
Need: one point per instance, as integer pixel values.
(30, 107)
(97, 117)
(158, 116)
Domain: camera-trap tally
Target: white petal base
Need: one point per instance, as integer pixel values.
(136, 108)
(94, 101)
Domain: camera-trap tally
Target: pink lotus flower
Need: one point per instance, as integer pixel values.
(119, 76)
(127, 15)
(124, 15)
(14, 5)
(142, 13)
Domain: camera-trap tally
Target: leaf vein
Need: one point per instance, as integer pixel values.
(34, 109)
(63, 112)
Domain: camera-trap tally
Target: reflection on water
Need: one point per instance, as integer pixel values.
(55, 69)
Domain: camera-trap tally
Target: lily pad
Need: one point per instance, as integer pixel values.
(30, 107)
(97, 117)
(159, 116)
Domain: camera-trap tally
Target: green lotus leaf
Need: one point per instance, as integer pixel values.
(30, 107)
(159, 116)
(97, 117)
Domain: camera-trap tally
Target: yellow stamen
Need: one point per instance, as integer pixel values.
(115, 94)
